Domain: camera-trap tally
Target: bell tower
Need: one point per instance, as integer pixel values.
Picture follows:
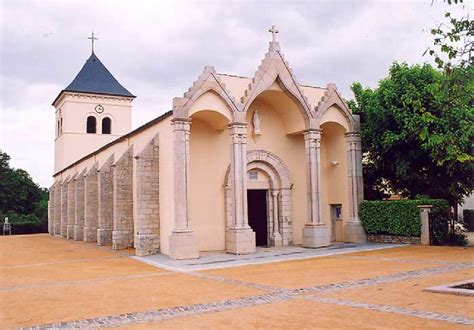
(92, 111)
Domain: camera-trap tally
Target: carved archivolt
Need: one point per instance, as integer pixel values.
(280, 182)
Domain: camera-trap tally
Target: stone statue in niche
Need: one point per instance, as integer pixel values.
(256, 123)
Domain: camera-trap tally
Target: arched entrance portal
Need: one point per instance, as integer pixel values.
(269, 198)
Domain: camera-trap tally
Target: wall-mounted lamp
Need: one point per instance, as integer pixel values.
(335, 163)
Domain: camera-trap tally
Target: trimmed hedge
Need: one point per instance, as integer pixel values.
(24, 224)
(403, 217)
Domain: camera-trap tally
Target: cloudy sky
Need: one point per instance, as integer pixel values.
(156, 49)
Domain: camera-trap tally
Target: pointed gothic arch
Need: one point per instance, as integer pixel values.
(331, 99)
(275, 69)
(207, 81)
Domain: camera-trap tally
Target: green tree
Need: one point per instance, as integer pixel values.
(453, 44)
(21, 199)
(417, 132)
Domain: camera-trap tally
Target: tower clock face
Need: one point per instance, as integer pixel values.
(99, 108)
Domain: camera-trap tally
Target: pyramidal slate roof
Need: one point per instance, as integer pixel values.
(94, 78)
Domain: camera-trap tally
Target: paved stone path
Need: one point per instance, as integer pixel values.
(277, 295)
(212, 260)
(396, 310)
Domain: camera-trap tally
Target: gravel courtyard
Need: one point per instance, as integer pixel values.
(47, 281)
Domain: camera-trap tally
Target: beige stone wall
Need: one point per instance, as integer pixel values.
(71, 208)
(106, 203)
(166, 180)
(64, 209)
(122, 176)
(91, 205)
(79, 208)
(210, 158)
(147, 197)
(57, 209)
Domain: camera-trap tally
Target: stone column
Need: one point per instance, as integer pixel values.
(183, 241)
(240, 238)
(425, 224)
(354, 231)
(51, 211)
(106, 203)
(284, 210)
(64, 209)
(91, 205)
(57, 209)
(316, 233)
(79, 208)
(122, 234)
(147, 240)
(275, 238)
(71, 208)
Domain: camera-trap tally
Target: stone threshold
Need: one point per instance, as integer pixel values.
(221, 259)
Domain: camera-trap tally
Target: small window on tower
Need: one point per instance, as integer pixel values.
(106, 126)
(91, 124)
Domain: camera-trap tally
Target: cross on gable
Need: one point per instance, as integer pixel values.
(274, 32)
(92, 38)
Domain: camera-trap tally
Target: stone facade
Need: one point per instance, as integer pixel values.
(79, 208)
(147, 239)
(106, 203)
(122, 176)
(91, 205)
(71, 208)
(64, 209)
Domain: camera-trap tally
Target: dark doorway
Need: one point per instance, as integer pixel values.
(257, 213)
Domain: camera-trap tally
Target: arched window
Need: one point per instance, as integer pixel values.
(106, 125)
(91, 124)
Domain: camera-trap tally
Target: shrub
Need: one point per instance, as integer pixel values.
(468, 216)
(24, 224)
(403, 217)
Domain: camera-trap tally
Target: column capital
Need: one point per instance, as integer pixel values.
(352, 136)
(181, 124)
(312, 134)
(238, 132)
(237, 126)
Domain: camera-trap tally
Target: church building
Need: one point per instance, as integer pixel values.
(238, 163)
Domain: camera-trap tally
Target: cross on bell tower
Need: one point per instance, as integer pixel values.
(92, 38)
(274, 32)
